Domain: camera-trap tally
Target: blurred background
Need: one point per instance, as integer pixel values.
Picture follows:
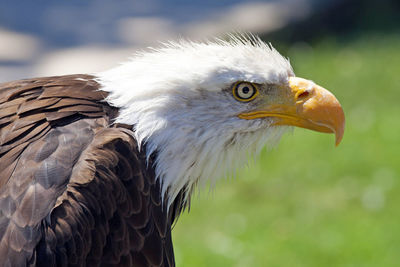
(304, 203)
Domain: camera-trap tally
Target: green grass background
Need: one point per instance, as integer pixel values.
(307, 203)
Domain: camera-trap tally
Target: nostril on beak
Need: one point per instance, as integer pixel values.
(302, 95)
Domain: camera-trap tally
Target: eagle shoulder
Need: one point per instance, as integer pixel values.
(74, 188)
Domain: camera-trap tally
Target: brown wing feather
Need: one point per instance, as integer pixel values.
(74, 191)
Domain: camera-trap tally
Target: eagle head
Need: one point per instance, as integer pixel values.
(203, 108)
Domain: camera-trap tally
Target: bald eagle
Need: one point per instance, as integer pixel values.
(95, 169)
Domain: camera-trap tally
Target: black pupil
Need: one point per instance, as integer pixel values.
(245, 90)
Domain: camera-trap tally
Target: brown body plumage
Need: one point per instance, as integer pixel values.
(74, 188)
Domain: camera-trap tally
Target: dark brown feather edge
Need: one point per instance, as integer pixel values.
(61, 87)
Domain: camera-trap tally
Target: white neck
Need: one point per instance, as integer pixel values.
(177, 101)
(189, 152)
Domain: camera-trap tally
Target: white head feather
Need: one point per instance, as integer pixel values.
(177, 99)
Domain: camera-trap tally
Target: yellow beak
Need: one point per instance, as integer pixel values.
(307, 105)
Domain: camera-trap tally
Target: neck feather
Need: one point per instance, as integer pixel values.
(188, 150)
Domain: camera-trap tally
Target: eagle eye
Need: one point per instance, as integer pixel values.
(244, 91)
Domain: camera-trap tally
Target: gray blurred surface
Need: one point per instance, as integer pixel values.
(40, 38)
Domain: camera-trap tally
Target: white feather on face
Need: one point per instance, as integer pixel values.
(179, 100)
